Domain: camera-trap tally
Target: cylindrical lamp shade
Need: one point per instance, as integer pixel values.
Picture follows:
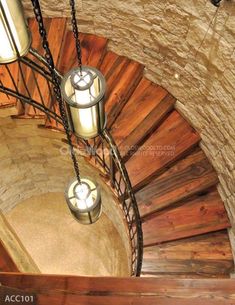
(83, 91)
(84, 201)
(14, 32)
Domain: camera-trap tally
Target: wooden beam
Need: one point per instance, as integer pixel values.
(68, 290)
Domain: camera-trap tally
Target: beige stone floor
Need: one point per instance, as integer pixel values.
(58, 244)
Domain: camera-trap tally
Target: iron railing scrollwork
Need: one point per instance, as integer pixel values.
(107, 156)
(102, 149)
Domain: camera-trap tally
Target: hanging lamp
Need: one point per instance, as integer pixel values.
(14, 32)
(83, 196)
(84, 200)
(83, 91)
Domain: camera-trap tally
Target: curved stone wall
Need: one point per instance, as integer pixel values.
(189, 48)
(58, 244)
(34, 162)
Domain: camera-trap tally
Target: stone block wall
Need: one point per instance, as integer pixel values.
(189, 48)
(35, 161)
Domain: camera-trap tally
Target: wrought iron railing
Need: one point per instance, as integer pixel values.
(34, 79)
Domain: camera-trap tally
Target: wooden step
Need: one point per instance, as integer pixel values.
(6, 71)
(26, 110)
(122, 77)
(93, 50)
(55, 37)
(38, 87)
(171, 141)
(202, 214)
(71, 290)
(111, 67)
(207, 255)
(128, 80)
(145, 109)
(189, 176)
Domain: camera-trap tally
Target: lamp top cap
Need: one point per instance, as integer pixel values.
(82, 79)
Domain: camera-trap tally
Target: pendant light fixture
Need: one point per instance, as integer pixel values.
(83, 90)
(14, 33)
(84, 200)
(82, 195)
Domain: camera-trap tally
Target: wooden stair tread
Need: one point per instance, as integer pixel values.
(206, 255)
(55, 38)
(28, 110)
(196, 216)
(111, 67)
(149, 124)
(122, 76)
(72, 299)
(72, 283)
(168, 143)
(70, 290)
(187, 177)
(6, 81)
(93, 50)
(128, 80)
(40, 92)
(146, 97)
(109, 62)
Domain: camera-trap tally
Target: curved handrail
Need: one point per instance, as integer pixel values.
(31, 102)
(115, 168)
(132, 217)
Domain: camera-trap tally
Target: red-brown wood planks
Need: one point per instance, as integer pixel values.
(207, 255)
(200, 215)
(111, 67)
(137, 299)
(29, 76)
(187, 177)
(128, 79)
(93, 50)
(55, 38)
(143, 100)
(6, 71)
(70, 290)
(174, 138)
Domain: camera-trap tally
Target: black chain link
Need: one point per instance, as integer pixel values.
(56, 83)
(76, 33)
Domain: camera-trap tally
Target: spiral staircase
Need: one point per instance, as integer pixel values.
(187, 250)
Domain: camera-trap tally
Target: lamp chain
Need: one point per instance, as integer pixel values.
(56, 82)
(76, 33)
